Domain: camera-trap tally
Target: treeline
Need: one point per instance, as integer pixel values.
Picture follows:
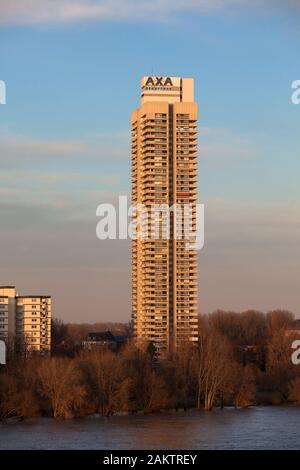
(67, 338)
(241, 360)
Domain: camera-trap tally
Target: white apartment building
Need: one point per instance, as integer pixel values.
(27, 318)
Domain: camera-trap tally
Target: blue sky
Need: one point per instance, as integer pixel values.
(72, 74)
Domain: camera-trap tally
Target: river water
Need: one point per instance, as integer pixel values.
(253, 428)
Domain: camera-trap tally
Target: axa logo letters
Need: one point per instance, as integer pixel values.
(159, 81)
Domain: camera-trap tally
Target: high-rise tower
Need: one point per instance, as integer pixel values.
(164, 172)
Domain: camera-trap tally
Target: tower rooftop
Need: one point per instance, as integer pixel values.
(170, 89)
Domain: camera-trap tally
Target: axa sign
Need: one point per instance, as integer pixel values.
(159, 81)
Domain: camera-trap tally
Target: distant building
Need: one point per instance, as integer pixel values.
(103, 339)
(27, 318)
(7, 311)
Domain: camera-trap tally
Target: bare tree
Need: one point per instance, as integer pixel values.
(279, 320)
(294, 390)
(60, 384)
(18, 391)
(104, 376)
(215, 368)
(244, 386)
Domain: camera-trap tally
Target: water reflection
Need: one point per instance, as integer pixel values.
(255, 428)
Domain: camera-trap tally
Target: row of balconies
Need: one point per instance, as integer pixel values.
(185, 257)
(186, 175)
(156, 129)
(152, 145)
(150, 132)
(190, 138)
(185, 184)
(183, 175)
(187, 152)
(161, 139)
(185, 264)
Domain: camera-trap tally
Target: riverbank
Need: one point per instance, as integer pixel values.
(230, 366)
(96, 416)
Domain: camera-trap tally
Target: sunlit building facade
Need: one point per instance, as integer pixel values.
(164, 172)
(26, 318)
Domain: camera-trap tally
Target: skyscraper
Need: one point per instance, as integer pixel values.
(164, 172)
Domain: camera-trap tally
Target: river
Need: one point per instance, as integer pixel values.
(253, 428)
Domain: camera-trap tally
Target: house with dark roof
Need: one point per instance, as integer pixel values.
(103, 339)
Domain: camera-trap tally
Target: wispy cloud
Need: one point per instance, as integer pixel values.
(246, 224)
(250, 258)
(251, 253)
(35, 12)
(62, 178)
(67, 11)
(13, 146)
(19, 150)
(222, 147)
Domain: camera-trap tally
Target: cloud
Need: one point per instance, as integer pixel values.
(251, 253)
(221, 147)
(67, 11)
(48, 227)
(18, 151)
(16, 146)
(36, 12)
(60, 179)
(250, 258)
(235, 224)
